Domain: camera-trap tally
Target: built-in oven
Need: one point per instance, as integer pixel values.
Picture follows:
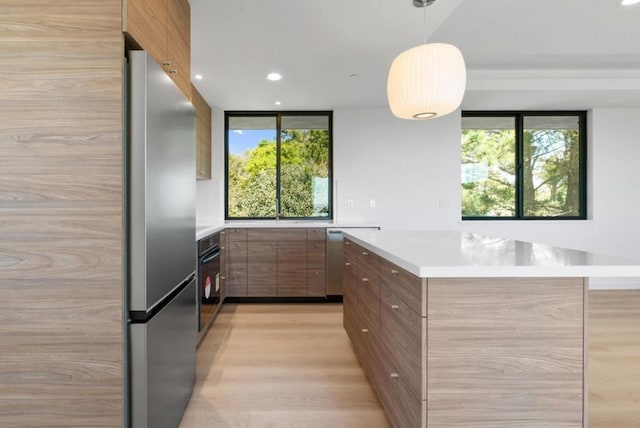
(208, 278)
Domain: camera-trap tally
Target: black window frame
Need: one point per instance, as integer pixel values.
(277, 114)
(519, 116)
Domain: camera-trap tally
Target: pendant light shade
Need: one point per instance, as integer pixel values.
(426, 81)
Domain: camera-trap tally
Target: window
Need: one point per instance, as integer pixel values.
(278, 163)
(523, 165)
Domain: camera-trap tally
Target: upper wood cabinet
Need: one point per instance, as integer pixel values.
(203, 135)
(179, 43)
(163, 28)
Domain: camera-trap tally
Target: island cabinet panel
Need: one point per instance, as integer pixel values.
(403, 406)
(292, 268)
(350, 298)
(262, 279)
(387, 334)
(407, 287)
(506, 350)
(401, 339)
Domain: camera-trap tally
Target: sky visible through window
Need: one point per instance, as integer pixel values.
(241, 140)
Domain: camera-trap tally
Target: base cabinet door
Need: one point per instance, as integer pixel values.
(262, 275)
(292, 269)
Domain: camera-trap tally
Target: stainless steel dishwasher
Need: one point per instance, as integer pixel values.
(334, 262)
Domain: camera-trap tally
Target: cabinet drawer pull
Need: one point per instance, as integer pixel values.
(394, 272)
(347, 264)
(223, 232)
(394, 375)
(347, 243)
(364, 253)
(365, 330)
(394, 307)
(223, 277)
(365, 279)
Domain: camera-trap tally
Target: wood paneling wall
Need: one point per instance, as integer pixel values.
(61, 239)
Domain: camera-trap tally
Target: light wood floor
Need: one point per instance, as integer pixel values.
(292, 366)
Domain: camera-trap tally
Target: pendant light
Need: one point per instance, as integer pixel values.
(426, 81)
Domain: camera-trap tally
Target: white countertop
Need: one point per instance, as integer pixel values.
(449, 254)
(202, 231)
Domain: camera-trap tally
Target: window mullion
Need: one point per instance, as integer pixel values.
(519, 166)
(278, 169)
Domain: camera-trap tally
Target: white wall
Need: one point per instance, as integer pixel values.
(411, 169)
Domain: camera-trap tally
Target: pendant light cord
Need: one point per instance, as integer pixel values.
(424, 20)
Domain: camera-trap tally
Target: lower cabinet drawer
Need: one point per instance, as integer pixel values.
(402, 338)
(404, 408)
(351, 323)
(369, 357)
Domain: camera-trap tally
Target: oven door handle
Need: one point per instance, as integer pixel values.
(207, 259)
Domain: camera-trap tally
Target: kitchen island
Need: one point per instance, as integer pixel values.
(463, 330)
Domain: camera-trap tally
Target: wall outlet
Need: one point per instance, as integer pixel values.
(349, 203)
(372, 203)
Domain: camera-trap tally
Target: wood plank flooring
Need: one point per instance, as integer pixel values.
(292, 366)
(280, 366)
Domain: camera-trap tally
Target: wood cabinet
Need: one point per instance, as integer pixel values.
(262, 269)
(277, 262)
(179, 44)
(163, 28)
(386, 333)
(224, 264)
(238, 256)
(471, 352)
(316, 262)
(203, 135)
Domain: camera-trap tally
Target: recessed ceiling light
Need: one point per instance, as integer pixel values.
(198, 76)
(274, 76)
(277, 103)
(629, 2)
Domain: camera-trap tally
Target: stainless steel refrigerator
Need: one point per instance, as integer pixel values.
(161, 259)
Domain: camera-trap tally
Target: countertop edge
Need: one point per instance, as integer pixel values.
(475, 271)
(202, 231)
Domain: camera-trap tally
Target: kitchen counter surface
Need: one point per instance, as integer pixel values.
(202, 231)
(451, 254)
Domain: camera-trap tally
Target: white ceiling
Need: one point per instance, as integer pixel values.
(542, 54)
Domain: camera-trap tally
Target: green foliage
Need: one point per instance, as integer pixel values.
(304, 155)
(494, 193)
(550, 173)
